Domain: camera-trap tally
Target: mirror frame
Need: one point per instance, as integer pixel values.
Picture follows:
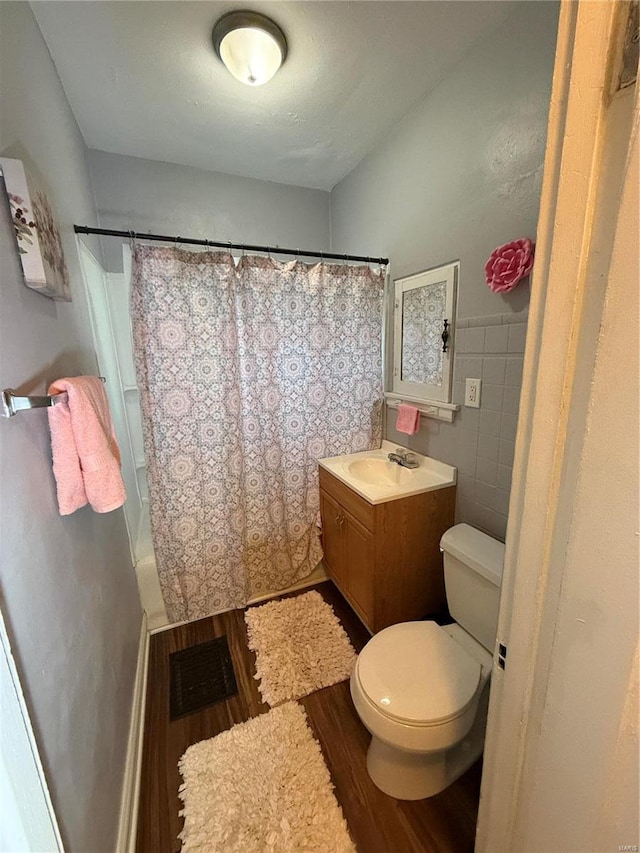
(422, 390)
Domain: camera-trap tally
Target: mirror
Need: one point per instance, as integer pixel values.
(423, 311)
(424, 308)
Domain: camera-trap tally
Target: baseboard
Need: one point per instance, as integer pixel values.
(133, 766)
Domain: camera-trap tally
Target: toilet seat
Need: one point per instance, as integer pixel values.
(415, 673)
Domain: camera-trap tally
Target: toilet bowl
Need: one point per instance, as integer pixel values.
(422, 689)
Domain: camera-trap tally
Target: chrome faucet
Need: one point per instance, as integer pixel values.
(404, 457)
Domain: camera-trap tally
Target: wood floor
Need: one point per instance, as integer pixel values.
(379, 824)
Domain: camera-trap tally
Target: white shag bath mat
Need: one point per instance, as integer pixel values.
(261, 786)
(300, 647)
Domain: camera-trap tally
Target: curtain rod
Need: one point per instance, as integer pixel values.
(276, 250)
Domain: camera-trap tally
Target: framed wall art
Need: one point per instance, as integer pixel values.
(37, 234)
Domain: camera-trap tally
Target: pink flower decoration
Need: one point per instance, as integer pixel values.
(508, 264)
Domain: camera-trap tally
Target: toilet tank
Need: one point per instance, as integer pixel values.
(472, 575)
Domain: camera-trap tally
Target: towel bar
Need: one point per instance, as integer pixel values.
(13, 403)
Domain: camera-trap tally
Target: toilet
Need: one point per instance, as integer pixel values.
(421, 689)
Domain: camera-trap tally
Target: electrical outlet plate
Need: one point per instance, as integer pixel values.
(472, 393)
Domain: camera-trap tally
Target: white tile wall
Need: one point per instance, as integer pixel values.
(493, 370)
(484, 499)
(480, 442)
(492, 396)
(496, 338)
(490, 422)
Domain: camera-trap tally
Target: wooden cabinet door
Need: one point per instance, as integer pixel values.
(333, 539)
(359, 569)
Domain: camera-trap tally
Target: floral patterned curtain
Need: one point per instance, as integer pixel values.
(248, 375)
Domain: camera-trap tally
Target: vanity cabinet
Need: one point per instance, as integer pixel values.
(385, 558)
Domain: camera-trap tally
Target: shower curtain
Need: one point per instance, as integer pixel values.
(248, 375)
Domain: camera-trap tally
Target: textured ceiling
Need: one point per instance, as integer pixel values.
(143, 80)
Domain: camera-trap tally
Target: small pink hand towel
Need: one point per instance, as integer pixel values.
(408, 420)
(86, 458)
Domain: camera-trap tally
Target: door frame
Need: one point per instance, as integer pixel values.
(564, 320)
(29, 821)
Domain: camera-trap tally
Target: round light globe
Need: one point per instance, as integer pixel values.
(251, 55)
(251, 46)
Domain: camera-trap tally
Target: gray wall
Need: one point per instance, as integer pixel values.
(460, 175)
(162, 198)
(69, 595)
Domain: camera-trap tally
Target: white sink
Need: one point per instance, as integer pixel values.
(379, 472)
(377, 480)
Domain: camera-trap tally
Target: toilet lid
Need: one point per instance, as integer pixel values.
(416, 673)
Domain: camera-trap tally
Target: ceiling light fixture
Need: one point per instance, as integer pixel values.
(251, 45)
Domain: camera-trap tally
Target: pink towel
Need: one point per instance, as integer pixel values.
(408, 420)
(86, 458)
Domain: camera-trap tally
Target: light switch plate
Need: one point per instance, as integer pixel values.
(472, 393)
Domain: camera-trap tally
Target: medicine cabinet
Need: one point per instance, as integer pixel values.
(423, 328)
